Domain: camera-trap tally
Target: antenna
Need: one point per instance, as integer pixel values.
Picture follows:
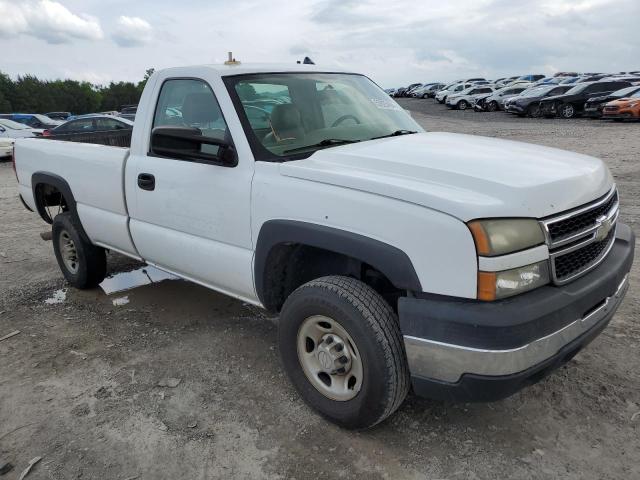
(231, 60)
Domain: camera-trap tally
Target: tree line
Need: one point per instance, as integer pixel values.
(29, 94)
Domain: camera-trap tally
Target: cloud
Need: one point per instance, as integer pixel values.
(132, 32)
(46, 20)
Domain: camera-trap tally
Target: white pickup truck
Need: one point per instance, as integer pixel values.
(465, 267)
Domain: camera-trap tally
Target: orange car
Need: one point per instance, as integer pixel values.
(624, 108)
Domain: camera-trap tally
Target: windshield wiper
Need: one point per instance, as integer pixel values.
(327, 142)
(397, 133)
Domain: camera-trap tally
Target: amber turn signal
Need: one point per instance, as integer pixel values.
(487, 286)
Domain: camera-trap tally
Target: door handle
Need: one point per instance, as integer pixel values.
(146, 181)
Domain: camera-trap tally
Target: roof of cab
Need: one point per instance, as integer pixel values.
(249, 68)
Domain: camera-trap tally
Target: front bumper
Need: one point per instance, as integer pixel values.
(467, 350)
(623, 115)
(592, 111)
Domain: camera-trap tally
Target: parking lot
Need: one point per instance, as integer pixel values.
(80, 383)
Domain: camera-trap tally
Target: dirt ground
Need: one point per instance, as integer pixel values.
(79, 384)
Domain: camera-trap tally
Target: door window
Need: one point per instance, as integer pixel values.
(191, 103)
(110, 124)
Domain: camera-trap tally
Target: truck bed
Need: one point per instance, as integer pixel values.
(120, 138)
(95, 175)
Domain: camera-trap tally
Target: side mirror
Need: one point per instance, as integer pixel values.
(187, 143)
(2, 129)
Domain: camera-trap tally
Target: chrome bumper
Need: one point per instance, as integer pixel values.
(447, 362)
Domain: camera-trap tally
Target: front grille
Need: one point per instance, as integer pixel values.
(574, 263)
(580, 239)
(572, 225)
(611, 109)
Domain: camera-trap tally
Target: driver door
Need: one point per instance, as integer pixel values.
(192, 217)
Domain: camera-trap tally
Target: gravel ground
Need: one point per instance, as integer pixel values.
(79, 384)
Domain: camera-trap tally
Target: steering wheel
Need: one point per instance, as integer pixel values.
(343, 118)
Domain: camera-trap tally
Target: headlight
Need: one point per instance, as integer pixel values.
(631, 105)
(497, 285)
(502, 236)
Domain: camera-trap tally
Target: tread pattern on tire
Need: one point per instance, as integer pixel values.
(95, 256)
(383, 322)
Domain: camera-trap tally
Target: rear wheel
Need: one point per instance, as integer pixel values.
(567, 110)
(83, 265)
(341, 346)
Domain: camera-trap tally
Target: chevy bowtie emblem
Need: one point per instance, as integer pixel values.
(604, 226)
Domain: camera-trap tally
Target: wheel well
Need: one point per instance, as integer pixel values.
(49, 201)
(290, 265)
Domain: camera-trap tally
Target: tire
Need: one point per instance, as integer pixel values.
(566, 110)
(372, 336)
(462, 105)
(493, 106)
(90, 265)
(533, 111)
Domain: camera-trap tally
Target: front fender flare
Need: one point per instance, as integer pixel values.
(389, 260)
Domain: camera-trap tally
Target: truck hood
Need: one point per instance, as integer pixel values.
(461, 175)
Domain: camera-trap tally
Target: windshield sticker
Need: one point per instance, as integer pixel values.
(384, 104)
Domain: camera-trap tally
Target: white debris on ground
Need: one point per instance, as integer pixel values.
(120, 301)
(136, 278)
(59, 296)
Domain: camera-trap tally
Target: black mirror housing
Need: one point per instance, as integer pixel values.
(185, 143)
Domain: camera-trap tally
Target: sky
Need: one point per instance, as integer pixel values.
(395, 42)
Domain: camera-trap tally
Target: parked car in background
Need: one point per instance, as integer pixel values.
(452, 89)
(569, 80)
(496, 100)
(11, 129)
(91, 124)
(531, 78)
(6, 147)
(571, 103)
(593, 106)
(623, 109)
(528, 102)
(128, 112)
(466, 98)
(427, 91)
(58, 115)
(32, 120)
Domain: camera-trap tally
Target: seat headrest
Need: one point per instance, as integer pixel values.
(286, 121)
(200, 108)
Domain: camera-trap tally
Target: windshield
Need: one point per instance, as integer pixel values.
(45, 119)
(536, 92)
(577, 89)
(625, 92)
(13, 125)
(287, 114)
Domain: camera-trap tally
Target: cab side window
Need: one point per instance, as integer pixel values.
(191, 103)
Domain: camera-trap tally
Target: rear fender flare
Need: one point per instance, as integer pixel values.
(47, 178)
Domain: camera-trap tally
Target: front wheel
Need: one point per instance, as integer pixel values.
(83, 265)
(463, 105)
(341, 347)
(492, 106)
(533, 111)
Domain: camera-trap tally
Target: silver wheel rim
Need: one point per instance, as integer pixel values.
(568, 111)
(68, 252)
(329, 358)
(463, 105)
